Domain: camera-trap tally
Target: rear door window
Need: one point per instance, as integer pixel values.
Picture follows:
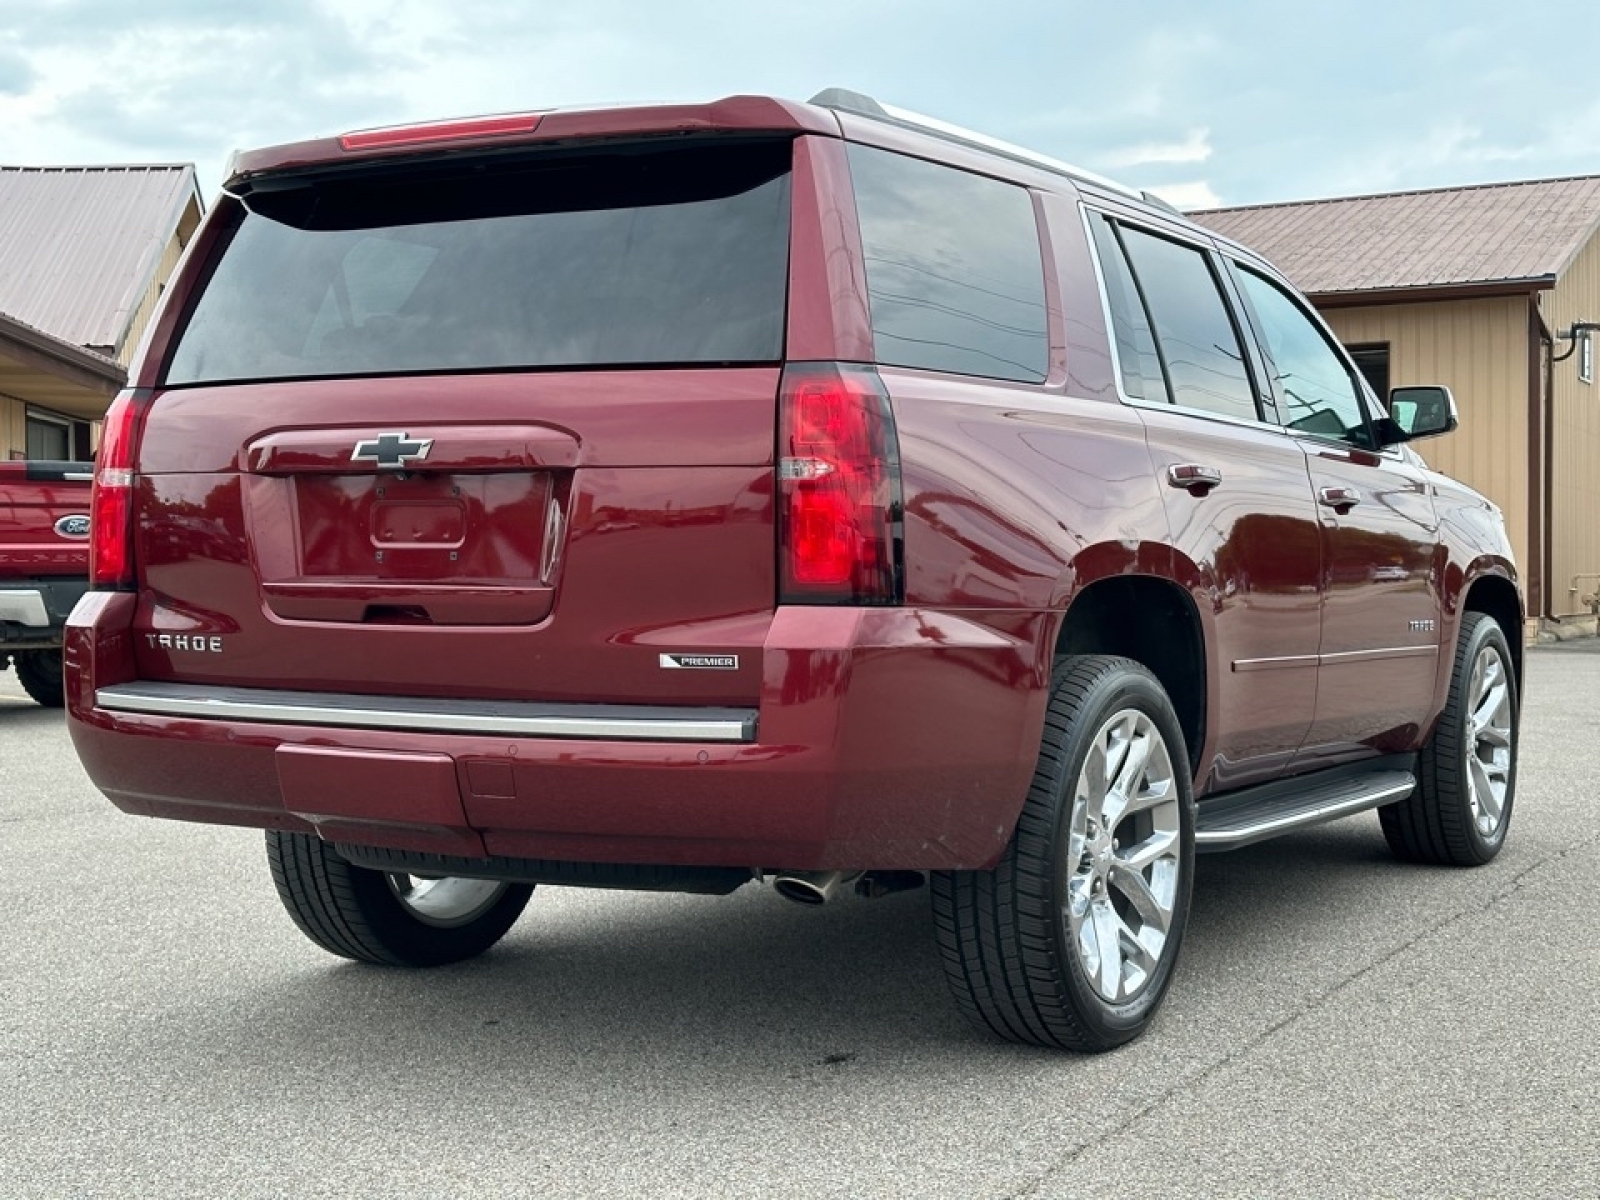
(1198, 342)
(633, 255)
(1175, 337)
(1142, 375)
(955, 280)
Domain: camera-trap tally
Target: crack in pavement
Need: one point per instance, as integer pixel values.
(1317, 1001)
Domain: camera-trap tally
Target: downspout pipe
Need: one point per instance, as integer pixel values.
(1548, 501)
(1551, 358)
(1544, 409)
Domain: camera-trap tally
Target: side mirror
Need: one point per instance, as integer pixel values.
(1418, 412)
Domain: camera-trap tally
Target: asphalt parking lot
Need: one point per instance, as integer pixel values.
(1340, 1025)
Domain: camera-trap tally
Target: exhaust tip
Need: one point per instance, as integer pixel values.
(811, 887)
(801, 891)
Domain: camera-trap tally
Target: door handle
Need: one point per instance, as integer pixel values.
(1193, 478)
(1340, 499)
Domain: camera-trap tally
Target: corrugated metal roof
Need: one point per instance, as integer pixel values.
(1491, 233)
(79, 245)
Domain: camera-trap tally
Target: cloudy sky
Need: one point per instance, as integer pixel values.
(1223, 102)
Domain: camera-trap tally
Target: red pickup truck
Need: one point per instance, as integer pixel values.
(44, 566)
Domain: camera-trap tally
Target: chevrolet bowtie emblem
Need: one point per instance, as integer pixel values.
(392, 451)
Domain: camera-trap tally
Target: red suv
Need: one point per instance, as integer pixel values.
(676, 497)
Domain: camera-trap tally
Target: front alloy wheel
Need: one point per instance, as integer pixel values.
(1467, 773)
(1489, 735)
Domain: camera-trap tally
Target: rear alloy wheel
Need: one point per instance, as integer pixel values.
(39, 672)
(1071, 940)
(1467, 773)
(389, 919)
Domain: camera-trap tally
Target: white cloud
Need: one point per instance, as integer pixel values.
(1195, 148)
(1266, 102)
(1194, 194)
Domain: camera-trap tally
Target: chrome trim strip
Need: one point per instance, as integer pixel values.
(1274, 664)
(1352, 656)
(614, 722)
(1334, 660)
(1243, 835)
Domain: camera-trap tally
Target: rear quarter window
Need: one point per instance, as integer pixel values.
(955, 281)
(637, 254)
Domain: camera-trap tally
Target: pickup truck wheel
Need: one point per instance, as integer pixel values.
(1467, 773)
(39, 672)
(392, 920)
(1071, 940)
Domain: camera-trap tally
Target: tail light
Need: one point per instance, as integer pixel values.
(111, 505)
(839, 509)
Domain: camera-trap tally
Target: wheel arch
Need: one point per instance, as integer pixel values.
(1153, 621)
(1497, 597)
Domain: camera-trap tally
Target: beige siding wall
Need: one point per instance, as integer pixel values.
(1575, 466)
(1479, 350)
(13, 428)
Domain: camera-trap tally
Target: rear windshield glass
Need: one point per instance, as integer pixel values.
(632, 256)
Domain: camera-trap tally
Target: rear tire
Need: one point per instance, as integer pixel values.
(391, 920)
(1467, 773)
(39, 672)
(1071, 940)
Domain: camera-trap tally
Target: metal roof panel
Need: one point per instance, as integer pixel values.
(78, 245)
(1443, 237)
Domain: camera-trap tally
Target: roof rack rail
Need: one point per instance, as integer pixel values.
(1155, 201)
(862, 105)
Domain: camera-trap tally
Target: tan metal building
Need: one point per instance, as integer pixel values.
(1480, 289)
(84, 255)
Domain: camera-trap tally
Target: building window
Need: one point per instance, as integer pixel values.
(52, 436)
(1373, 363)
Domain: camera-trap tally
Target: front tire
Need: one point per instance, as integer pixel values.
(1467, 773)
(1071, 940)
(39, 672)
(388, 919)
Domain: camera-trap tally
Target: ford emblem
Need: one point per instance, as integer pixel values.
(75, 526)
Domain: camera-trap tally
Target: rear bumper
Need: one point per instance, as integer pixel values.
(34, 611)
(883, 738)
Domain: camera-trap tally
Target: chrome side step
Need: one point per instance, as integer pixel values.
(1255, 814)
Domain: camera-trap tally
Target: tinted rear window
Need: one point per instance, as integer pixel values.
(633, 256)
(954, 276)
